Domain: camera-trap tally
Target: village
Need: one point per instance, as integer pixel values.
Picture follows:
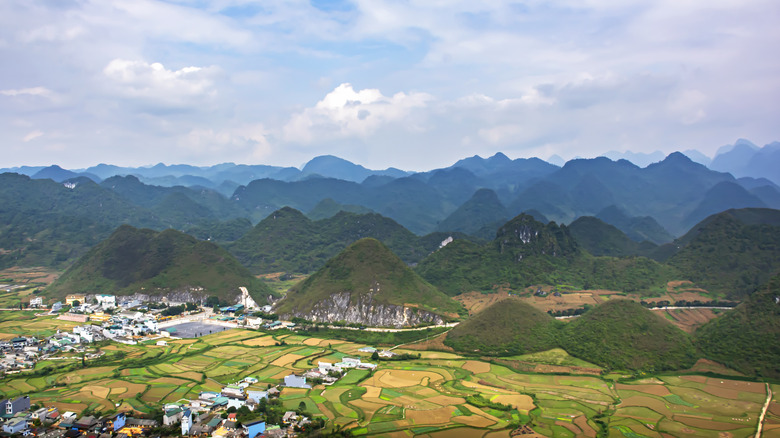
(239, 409)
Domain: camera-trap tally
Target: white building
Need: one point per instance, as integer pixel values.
(106, 301)
(36, 302)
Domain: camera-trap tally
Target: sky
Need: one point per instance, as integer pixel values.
(409, 84)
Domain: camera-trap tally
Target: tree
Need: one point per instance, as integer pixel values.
(374, 356)
(75, 303)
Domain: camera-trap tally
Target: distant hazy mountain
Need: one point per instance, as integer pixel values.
(334, 167)
(480, 216)
(745, 159)
(668, 191)
(697, 157)
(641, 159)
(734, 157)
(638, 229)
(58, 174)
(602, 239)
(329, 208)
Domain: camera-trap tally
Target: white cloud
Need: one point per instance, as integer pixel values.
(345, 112)
(32, 136)
(153, 82)
(34, 91)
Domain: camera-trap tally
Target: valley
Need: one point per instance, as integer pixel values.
(435, 395)
(492, 298)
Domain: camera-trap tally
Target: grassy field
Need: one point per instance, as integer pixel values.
(429, 396)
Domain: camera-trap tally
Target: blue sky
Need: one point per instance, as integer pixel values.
(409, 84)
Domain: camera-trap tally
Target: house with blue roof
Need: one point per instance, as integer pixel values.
(254, 428)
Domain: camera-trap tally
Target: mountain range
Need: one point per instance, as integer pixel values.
(474, 196)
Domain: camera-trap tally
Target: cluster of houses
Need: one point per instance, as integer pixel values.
(203, 416)
(327, 373)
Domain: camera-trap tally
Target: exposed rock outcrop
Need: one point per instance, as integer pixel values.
(365, 310)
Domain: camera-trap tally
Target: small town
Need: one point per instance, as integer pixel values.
(217, 414)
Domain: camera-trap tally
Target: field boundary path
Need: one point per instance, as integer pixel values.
(763, 411)
(662, 308)
(421, 340)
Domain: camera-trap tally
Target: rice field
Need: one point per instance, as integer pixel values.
(437, 395)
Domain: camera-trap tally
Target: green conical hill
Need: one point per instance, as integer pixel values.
(747, 338)
(623, 335)
(509, 327)
(144, 261)
(731, 253)
(367, 268)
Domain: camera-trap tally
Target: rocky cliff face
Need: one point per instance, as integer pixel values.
(365, 310)
(524, 236)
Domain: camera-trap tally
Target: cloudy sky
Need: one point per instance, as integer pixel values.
(411, 84)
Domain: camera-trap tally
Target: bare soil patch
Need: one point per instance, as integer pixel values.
(97, 391)
(582, 423)
(520, 402)
(432, 416)
(474, 420)
(689, 319)
(263, 341)
(436, 343)
(403, 378)
(476, 367)
(476, 302)
(445, 400)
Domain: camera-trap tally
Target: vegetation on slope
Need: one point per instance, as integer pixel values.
(746, 338)
(509, 327)
(602, 239)
(368, 266)
(731, 253)
(288, 241)
(621, 334)
(480, 216)
(527, 252)
(135, 260)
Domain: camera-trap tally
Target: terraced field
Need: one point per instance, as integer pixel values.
(430, 396)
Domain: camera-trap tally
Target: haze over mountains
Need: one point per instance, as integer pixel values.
(474, 196)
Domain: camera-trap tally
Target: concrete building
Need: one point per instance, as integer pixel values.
(11, 407)
(254, 428)
(186, 422)
(293, 381)
(75, 297)
(15, 425)
(106, 301)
